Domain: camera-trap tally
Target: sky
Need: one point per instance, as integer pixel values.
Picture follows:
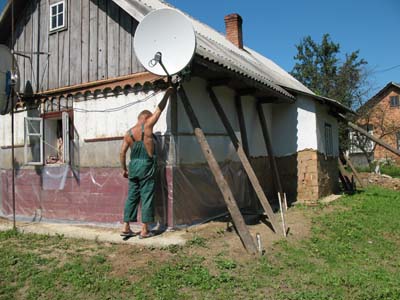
(273, 28)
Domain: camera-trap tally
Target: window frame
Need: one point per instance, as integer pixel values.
(328, 133)
(27, 135)
(396, 102)
(58, 27)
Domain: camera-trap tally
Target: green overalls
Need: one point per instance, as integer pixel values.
(142, 172)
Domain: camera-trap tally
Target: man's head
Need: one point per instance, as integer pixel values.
(143, 116)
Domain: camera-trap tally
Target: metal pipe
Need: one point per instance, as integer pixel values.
(12, 118)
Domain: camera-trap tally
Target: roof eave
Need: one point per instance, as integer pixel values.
(325, 100)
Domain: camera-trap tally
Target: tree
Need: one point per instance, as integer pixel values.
(377, 121)
(321, 69)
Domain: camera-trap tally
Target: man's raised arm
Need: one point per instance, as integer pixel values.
(161, 106)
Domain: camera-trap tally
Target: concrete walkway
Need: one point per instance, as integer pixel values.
(95, 233)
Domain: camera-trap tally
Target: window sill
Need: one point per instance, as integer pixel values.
(53, 31)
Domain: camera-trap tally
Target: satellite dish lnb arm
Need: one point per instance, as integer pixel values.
(158, 59)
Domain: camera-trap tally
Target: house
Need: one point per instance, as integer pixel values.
(84, 87)
(381, 117)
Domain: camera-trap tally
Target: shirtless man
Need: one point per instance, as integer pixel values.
(142, 169)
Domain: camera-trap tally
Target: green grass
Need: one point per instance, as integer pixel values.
(352, 253)
(391, 170)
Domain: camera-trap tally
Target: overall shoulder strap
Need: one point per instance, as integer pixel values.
(142, 132)
(131, 135)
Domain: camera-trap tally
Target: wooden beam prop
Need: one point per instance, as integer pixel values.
(227, 194)
(242, 124)
(356, 175)
(274, 165)
(370, 136)
(344, 177)
(243, 158)
(268, 145)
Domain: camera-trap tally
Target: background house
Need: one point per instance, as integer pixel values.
(89, 88)
(381, 117)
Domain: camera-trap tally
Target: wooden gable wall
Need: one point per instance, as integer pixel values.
(97, 44)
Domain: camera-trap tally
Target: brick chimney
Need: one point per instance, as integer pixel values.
(234, 34)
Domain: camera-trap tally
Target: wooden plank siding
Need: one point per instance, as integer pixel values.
(97, 44)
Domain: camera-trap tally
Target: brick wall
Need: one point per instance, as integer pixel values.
(317, 176)
(385, 119)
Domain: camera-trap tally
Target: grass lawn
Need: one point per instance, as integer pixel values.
(391, 170)
(351, 253)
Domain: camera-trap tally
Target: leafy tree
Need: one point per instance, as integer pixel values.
(321, 68)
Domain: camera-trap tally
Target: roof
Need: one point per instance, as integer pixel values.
(214, 47)
(377, 97)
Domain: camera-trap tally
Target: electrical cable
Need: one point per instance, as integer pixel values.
(114, 109)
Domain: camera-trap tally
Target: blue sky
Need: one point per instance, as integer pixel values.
(274, 27)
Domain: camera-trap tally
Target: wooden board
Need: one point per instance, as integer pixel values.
(75, 42)
(356, 175)
(344, 177)
(370, 136)
(242, 124)
(102, 40)
(227, 194)
(113, 58)
(245, 161)
(268, 145)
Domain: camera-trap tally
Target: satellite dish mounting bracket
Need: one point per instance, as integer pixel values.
(158, 60)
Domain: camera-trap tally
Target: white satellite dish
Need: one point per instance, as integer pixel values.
(9, 79)
(165, 35)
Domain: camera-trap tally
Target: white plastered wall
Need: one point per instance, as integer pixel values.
(95, 124)
(294, 126)
(5, 129)
(189, 151)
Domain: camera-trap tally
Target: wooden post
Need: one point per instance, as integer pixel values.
(344, 177)
(267, 140)
(170, 167)
(356, 175)
(245, 161)
(227, 194)
(242, 124)
(272, 161)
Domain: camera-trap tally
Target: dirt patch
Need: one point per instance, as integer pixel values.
(380, 180)
(129, 261)
(211, 240)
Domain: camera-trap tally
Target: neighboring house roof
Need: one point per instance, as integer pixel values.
(377, 98)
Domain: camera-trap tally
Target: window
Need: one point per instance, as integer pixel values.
(33, 141)
(359, 141)
(328, 140)
(57, 16)
(398, 140)
(394, 101)
(56, 145)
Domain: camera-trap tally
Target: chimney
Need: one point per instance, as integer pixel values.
(234, 34)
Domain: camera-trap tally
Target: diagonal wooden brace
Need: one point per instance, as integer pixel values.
(227, 194)
(245, 161)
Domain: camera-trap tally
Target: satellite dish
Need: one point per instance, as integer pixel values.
(165, 42)
(8, 80)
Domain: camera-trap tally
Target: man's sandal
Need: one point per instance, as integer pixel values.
(146, 236)
(129, 233)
